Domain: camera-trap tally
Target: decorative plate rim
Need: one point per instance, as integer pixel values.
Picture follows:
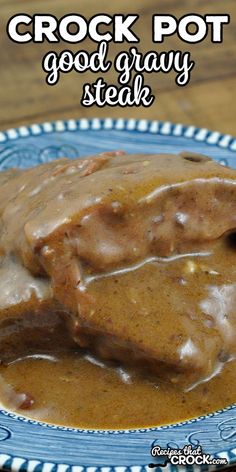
(25, 419)
(25, 465)
(167, 128)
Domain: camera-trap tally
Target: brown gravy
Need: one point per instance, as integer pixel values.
(73, 391)
(134, 258)
(76, 389)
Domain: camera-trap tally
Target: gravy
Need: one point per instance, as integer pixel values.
(118, 277)
(76, 389)
(73, 390)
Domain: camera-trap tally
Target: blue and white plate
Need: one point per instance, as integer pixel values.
(30, 446)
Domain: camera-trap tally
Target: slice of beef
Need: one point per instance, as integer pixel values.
(31, 320)
(114, 220)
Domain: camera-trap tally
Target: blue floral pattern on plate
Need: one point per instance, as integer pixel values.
(30, 446)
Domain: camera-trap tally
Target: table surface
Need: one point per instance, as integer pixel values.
(207, 101)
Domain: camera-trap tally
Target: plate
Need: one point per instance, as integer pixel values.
(30, 446)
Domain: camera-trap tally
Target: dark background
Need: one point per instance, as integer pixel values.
(207, 101)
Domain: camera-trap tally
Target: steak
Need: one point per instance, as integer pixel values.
(135, 252)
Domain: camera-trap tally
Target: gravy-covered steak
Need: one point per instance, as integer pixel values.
(137, 252)
(31, 320)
